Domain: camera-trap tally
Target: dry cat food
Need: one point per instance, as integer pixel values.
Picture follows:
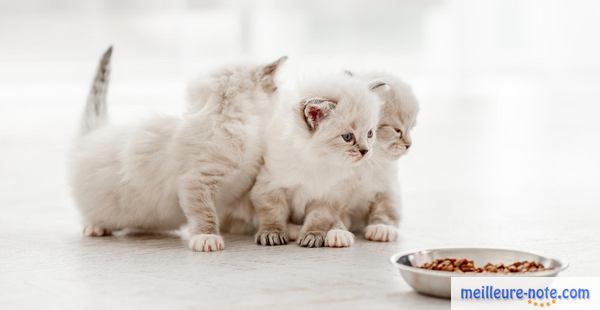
(465, 265)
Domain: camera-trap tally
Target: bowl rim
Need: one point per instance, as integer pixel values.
(562, 264)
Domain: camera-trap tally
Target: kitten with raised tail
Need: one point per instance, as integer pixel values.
(373, 196)
(167, 171)
(316, 140)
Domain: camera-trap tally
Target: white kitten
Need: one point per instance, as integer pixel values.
(315, 141)
(373, 194)
(167, 171)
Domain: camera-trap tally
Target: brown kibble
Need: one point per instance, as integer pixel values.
(464, 265)
(459, 262)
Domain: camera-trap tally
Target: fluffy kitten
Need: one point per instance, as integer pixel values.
(235, 211)
(373, 194)
(167, 171)
(315, 142)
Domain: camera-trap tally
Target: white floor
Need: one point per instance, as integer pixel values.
(505, 155)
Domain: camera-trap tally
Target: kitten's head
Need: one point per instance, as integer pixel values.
(398, 113)
(256, 84)
(339, 116)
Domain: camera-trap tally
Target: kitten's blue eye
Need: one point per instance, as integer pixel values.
(370, 134)
(348, 137)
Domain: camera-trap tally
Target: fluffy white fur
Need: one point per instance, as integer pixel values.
(373, 192)
(303, 164)
(168, 171)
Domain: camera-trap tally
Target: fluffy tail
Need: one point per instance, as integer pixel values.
(95, 115)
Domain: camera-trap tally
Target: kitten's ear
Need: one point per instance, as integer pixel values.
(267, 74)
(317, 109)
(381, 88)
(271, 68)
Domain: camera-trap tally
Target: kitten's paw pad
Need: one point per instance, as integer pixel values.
(206, 243)
(339, 238)
(266, 237)
(96, 231)
(381, 232)
(312, 239)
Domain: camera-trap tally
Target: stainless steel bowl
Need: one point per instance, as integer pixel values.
(437, 283)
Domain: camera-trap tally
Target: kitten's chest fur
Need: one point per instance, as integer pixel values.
(229, 199)
(319, 182)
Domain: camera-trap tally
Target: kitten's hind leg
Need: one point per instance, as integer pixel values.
(273, 213)
(323, 227)
(383, 219)
(96, 231)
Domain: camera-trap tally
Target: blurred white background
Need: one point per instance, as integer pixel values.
(506, 148)
(509, 89)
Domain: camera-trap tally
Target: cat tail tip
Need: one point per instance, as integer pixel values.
(95, 114)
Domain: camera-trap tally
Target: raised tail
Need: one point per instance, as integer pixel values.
(95, 114)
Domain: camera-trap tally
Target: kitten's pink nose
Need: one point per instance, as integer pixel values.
(363, 152)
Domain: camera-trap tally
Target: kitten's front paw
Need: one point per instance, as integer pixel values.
(266, 237)
(339, 238)
(96, 231)
(312, 239)
(206, 243)
(381, 232)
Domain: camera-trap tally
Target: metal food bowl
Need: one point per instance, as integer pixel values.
(437, 283)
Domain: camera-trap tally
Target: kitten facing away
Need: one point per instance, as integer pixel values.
(166, 171)
(374, 193)
(316, 139)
